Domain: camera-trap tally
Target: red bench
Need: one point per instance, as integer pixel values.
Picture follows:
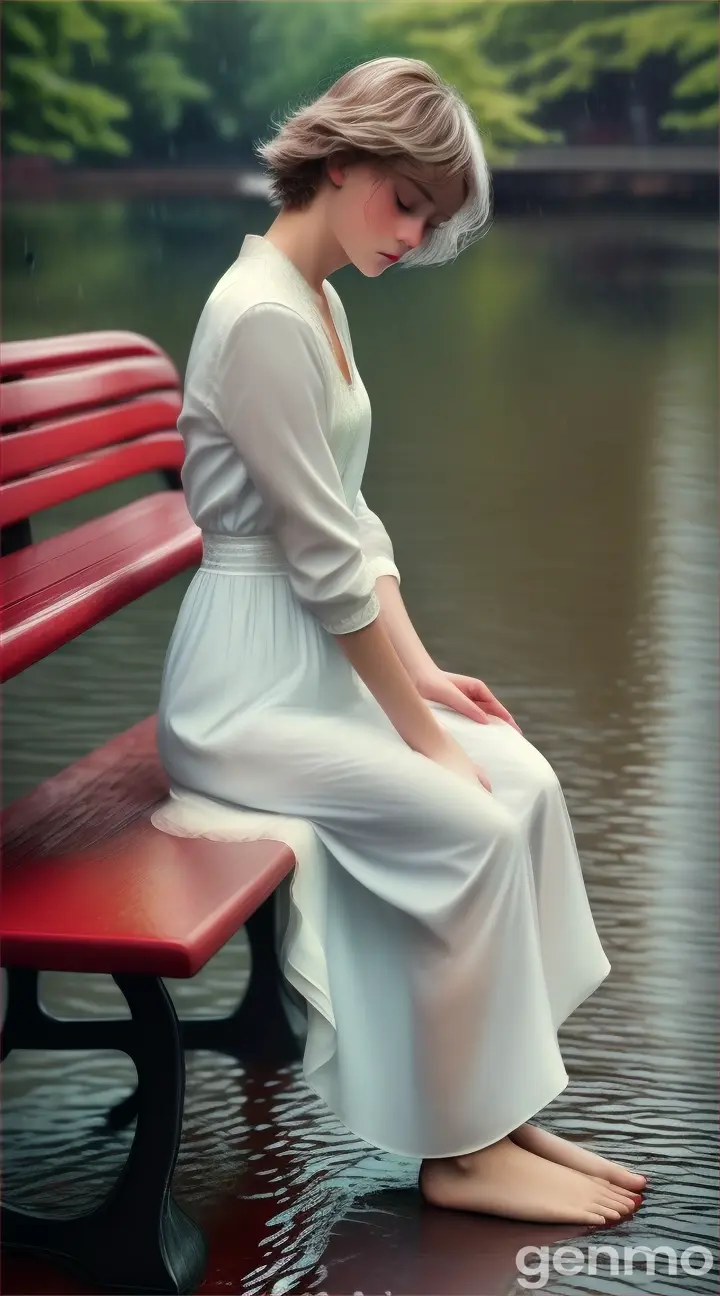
(88, 884)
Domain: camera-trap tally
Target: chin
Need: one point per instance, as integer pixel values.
(376, 266)
(371, 265)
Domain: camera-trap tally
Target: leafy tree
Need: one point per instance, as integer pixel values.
(300, 48)
(72, 72)
(220, 55)
(469, 45)
(83, 78)
(509, 59)
(621, 37)
(47, 109)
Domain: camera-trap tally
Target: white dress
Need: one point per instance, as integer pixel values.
(437, 935)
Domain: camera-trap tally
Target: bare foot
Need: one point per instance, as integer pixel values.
(560, 1150)
(505, 1179)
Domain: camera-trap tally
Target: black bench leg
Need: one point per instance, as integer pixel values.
(124, 1112)
(23, 1015)
(257, 1031)
(138, 1239)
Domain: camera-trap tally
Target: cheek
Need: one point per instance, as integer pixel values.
(380, 208)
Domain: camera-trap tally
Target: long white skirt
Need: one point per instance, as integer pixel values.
(438, 934)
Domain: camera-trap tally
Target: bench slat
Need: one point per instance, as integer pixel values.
(50, 395)
(88, 885)
(56, 589)
(29, 495)
(50, 443)
(51, 353)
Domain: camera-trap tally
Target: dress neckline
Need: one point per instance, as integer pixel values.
(257, 244)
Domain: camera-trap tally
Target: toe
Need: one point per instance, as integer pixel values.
(623, 1207)
(624, 1193)
(623, 1201)
(608, 1200)
(625, 1178)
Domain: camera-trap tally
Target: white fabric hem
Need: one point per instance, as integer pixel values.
(356, 620)
(383, 567)
(527, 1113)
(301, 955)
(439, 1156)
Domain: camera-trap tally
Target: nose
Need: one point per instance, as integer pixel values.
(412, 232)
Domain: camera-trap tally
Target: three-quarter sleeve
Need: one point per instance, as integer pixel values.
(375, 541)
(271, 399)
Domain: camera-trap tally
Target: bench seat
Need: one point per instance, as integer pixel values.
(84, 890)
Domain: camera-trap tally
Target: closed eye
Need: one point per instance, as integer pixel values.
(433, 225)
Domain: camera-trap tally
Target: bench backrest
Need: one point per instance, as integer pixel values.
(80, 411)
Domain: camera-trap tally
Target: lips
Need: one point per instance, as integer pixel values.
(390, 257)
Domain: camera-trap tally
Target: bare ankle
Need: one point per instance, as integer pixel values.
(466, 1163)
(469, 1161)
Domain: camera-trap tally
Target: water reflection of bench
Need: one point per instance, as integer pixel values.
(88, 885)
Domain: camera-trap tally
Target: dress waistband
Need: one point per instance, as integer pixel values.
(243, 554)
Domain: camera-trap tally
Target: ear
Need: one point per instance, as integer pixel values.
(337, 169)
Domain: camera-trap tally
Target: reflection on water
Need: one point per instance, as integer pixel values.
(544, 457)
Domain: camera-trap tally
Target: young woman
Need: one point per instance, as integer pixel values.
(445, 933)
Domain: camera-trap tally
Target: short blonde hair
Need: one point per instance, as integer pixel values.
(396, 113)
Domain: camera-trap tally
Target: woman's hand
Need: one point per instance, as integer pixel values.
(452, 756)
(463, 694)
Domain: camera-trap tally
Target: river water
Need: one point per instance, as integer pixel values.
(544, 456)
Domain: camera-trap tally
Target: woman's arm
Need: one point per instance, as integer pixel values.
(269, 395)
(376, 661)
(400, 629)
(378, 549)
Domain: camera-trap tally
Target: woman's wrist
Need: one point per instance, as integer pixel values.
(379, 665)
(401, 632)
(420, 669)
(417, 661)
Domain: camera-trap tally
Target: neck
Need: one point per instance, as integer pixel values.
(303, 236)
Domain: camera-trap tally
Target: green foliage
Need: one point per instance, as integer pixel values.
(120, 77)
(47, 109)
(164, 88)
(220, 56)
(298, 48)
(462, 41)
(621, 38)
(509, 57)
(73, 71)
